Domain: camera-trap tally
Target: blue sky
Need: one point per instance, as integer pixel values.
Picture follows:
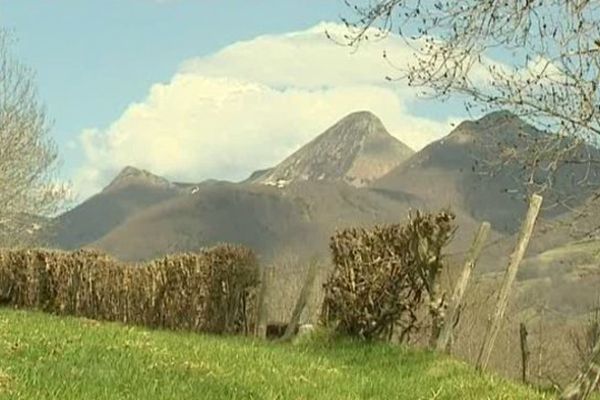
(103, 67)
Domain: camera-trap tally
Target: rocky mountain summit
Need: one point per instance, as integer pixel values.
(134, 176)
(357, 150)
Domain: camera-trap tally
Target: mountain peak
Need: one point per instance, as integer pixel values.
(132, 175)
(495, 117)
(499, 127)
(130, 170)
(362, 123)
(356, 149)
(360, 115)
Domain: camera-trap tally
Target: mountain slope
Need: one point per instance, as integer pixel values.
(300, 217)
(357, 150)
(223, 212)
(466, 170)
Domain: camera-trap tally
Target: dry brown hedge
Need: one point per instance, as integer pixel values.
(382, 276)
(209, 291)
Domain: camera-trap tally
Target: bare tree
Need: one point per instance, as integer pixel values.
(539, 59)
(29, 191)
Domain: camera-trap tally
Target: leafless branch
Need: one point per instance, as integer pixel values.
(29, 190)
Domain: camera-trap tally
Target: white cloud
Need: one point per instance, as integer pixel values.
(302, 59)
(250, 105)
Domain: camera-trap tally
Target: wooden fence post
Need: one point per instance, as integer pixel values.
(305, 293)
(524, 352)
(509, 277)
(445, 338)
(262, 306)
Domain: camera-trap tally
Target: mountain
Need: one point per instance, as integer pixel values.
(130, 191)
(471, 170)
(357, 150)
(353, 151)
(330, 184)
(296, 205)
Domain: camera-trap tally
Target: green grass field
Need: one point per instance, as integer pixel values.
(49, 357)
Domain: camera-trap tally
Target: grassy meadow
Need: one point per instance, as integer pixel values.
(49, 357)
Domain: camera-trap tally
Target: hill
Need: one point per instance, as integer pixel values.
(221, 212)
(564, 279)
(130, 191)
(47, 357)
(299, 218)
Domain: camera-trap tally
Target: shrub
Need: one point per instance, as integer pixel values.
(381, 276)
(207, 291)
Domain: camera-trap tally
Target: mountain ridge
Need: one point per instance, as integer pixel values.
(154, 214)
(475, 168)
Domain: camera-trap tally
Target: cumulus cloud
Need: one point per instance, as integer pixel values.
(304, 59)
(250, 105)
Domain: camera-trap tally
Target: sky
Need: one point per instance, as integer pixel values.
(201, 89)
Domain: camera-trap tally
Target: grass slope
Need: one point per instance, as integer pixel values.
(49, 357)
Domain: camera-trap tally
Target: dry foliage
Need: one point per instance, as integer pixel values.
(29, 190)
(208, 291)
(584, 340)
(559, 342)
(382, 276)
